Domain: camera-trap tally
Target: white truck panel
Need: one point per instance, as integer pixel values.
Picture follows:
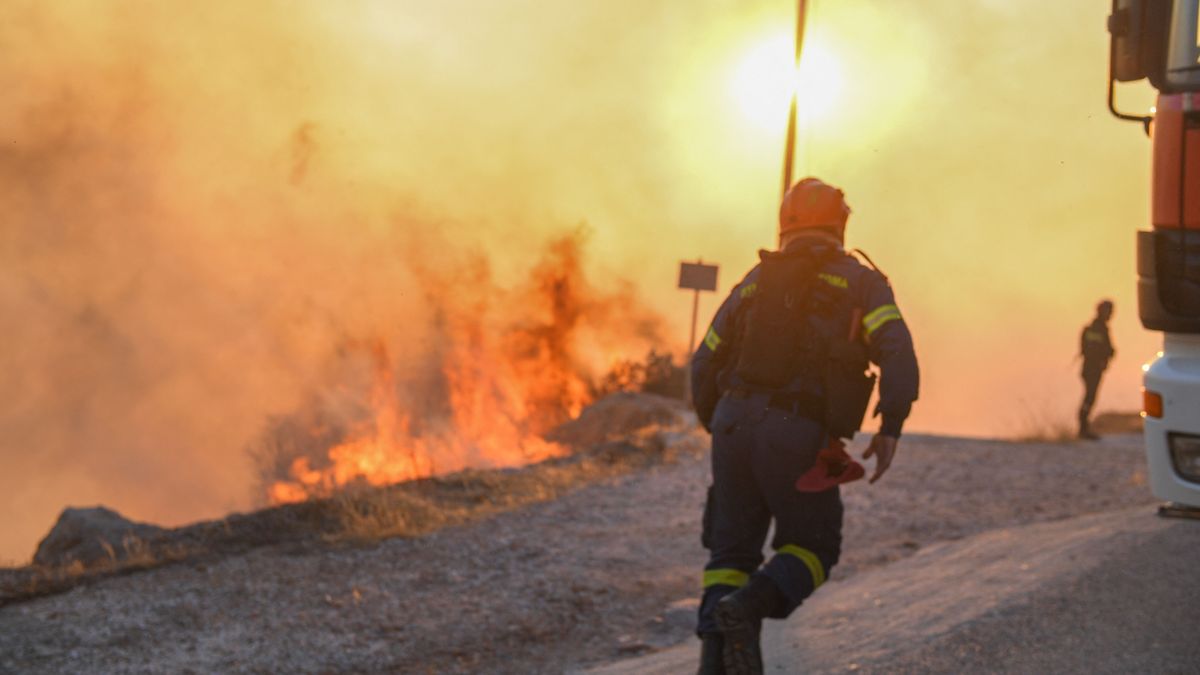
(1175, 374)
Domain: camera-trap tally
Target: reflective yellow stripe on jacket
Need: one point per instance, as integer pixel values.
(712, 340)
(835, 280)
(878, 317)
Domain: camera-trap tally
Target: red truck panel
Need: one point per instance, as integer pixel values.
(1170, 134)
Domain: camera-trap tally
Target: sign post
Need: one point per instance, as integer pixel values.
(698, 277)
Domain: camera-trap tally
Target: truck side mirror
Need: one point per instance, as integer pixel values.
(1140, 30)
(1126, 27)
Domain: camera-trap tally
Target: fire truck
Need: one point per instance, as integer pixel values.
(1159, 40)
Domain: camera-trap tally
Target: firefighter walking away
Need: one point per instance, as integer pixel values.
(1096, 348)
(779, 380)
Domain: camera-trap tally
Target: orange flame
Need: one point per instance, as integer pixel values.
(489, 426)
(496, 393)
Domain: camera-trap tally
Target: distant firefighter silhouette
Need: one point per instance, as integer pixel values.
(1096, 348)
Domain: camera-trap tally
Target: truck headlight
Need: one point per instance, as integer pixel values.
(1185, 455)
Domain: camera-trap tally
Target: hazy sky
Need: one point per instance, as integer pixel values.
(202, 201)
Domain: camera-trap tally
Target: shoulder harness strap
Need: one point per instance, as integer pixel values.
(871, 263)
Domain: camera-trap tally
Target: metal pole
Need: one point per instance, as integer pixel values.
(790, 144)
(687, 363)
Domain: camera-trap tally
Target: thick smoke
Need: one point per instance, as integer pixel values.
(204, 205)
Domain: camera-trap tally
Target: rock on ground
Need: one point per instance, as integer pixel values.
(93, 536)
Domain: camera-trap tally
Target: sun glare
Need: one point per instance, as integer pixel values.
(766, 77)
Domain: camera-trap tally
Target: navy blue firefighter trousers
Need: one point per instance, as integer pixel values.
(758, 452)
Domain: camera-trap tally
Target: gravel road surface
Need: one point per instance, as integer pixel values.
(604, 573)
(1115, 592)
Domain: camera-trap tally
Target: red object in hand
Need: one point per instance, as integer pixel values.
(834, 466)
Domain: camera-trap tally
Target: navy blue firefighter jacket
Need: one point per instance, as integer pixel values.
(889, 343)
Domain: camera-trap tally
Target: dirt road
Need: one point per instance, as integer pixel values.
(1115, 592)
(606, 573)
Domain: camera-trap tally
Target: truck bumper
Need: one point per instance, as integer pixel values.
(1173, 440)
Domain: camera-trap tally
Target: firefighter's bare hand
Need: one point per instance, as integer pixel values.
(883, 449)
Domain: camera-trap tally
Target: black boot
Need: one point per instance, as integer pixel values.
(1085, 427)
(739, 616)
(1085, 430)
(711, 659)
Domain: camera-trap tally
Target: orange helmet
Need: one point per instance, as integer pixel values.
(812, 204)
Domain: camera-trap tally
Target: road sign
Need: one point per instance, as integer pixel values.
(698, 276)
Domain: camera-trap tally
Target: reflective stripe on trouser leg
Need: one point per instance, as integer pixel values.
(718, 583)
(798, 572)
(815, 567)
(725, 577)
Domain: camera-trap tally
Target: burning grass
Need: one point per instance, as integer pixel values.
(477, 385)
(620, 434)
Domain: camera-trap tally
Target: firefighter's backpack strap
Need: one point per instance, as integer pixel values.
(870, 263)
